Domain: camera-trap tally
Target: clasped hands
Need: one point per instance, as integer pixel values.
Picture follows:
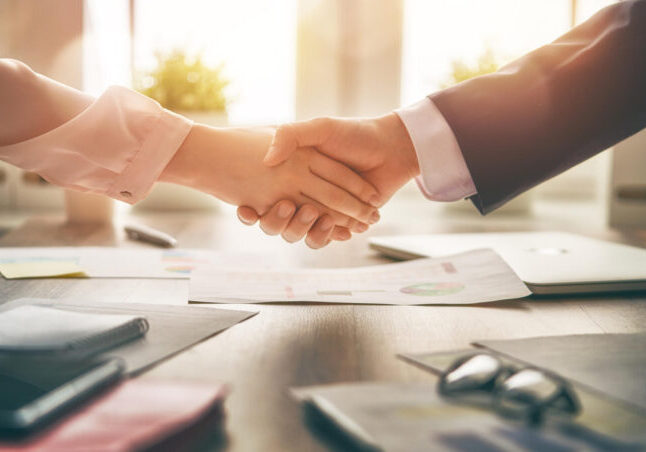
(324, 178)
(378, 150)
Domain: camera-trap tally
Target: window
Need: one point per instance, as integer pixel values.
(254, 39)
(437, 33)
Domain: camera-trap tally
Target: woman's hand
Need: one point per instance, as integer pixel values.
(294, 223)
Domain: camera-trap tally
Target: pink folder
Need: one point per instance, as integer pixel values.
(137, 414)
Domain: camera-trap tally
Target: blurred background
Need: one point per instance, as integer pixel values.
(258, 61)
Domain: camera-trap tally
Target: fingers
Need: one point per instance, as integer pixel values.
(247, 215)
(341, 234)
(300, 223)
(283, 218)
(342, 176)
(320, 234)
(340, 219)
(338, 199)
(277, 219)
(289, 137)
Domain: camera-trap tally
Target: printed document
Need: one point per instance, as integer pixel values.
(472, 277)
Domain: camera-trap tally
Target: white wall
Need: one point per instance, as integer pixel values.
(348, 57)
(48, 36)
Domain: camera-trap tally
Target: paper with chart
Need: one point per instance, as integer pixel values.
(473, 277)
(108, 262)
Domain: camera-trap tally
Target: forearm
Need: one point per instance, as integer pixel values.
(31, 105)
(212, 160)
(115, 145)
(397, 139)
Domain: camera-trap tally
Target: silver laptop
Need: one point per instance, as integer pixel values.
(548, 262)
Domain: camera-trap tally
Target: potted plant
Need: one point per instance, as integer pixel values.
(460, 71)
(190, 87)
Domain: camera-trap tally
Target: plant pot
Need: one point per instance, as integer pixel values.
(166, 196)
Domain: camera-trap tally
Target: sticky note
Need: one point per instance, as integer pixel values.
(41, 269)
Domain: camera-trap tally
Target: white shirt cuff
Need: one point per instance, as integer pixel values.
(444, 175)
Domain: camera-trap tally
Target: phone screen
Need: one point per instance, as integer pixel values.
(26, 379)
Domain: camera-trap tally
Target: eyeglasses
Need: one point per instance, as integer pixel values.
(528, 394)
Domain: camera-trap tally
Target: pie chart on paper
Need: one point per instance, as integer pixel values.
(433, 289)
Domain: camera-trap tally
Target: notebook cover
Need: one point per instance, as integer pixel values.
(41, 329)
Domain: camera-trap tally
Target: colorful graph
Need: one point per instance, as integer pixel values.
(433, 289)
(183, 256)
(183, 269)
(183, 262)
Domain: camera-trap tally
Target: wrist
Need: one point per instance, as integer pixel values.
(397, 138)
(195, 164)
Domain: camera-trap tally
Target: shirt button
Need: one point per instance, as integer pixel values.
(125, 194)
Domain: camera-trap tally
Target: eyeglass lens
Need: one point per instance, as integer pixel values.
(473, 373)
(525, 394)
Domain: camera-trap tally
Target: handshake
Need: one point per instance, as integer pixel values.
(321, 179)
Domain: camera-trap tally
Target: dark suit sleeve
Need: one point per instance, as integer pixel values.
(552, 108)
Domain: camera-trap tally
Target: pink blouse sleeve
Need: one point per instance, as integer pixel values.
(117, 146)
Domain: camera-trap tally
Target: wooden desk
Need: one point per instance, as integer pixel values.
(304, 344)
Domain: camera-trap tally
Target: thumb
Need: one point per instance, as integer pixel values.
(282, 145)
(290, 137)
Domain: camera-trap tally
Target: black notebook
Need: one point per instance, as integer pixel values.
(41, 329)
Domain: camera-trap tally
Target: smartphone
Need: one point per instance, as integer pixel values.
(35, 391)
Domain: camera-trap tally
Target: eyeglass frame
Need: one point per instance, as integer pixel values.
(536, 412)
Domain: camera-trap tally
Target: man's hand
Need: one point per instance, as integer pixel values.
(378, 149)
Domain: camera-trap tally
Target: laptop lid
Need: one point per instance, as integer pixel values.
(548, 262)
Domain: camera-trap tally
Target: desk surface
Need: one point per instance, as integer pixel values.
(304, 344)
